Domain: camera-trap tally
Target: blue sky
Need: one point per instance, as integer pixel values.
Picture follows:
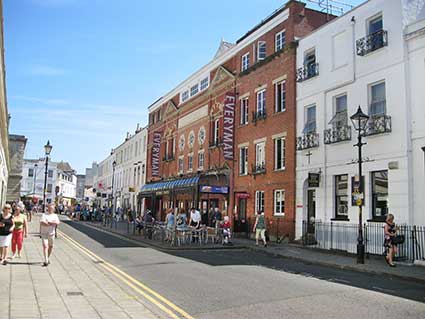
(82, 73)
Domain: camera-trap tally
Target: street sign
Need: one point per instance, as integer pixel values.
(313, 179)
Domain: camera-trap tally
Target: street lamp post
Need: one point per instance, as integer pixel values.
(47, 150)
(359, 120)
(114, 164)
(35, 178)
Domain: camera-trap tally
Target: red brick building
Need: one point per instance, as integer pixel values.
(225, 137)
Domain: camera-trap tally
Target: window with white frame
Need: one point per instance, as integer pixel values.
(261, 53)
(375, 24)
(173, 146)
(259, 201)
(340, 118)
(245, 62)
(194, 89)
(204, 83)
(244, 111)
(279, 202)
(243, 160)
(201, 160)
(216, 131)
(280, 96)
(260, 154)
(279, 153)
(190, 162)
(341, 196)
(280, 40)
(181, 162)
(377, 105)
(167, 149)
(185, 96)
(310, 123)
(30, 172)
(261, 101)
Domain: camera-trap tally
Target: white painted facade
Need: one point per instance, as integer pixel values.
(344, 72)
(130, 171)
(32, 185)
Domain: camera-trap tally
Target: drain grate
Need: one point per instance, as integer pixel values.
(74, 293)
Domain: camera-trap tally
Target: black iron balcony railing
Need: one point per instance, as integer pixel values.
(372, 42)
(259, 168)
(378, 124)
(259, 115)
(337, 134)
(307, 72)
(307, 141)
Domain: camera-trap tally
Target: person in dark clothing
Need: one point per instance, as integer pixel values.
(6, 228)
(216, 217)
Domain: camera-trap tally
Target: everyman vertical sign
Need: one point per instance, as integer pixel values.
(228, 126)
(156, 148)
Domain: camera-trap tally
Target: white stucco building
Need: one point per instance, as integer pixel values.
(129, 175)
(61, 181)
(361, 59)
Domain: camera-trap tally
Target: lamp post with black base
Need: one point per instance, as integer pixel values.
(47, 150)
(359, 120)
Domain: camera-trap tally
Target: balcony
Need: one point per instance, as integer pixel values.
(378, 124)
(372, 42)
(259, 168)
(337, 134)
(307, 141)
(307, 72)
(259, 115)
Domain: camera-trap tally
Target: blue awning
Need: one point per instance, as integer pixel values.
(169, 185)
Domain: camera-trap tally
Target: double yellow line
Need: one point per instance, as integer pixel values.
(161, 302)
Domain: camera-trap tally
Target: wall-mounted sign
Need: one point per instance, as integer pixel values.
(228, 126)
(313, 179)
(155, 156)
(357, 192)
(214, 189)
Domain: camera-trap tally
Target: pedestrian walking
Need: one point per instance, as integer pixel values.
(260, 228)
(390, 231)
(48, 223)
(20, 231)
(6, 229)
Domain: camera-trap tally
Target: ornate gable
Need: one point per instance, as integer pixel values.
(171, 109)
(222, 75)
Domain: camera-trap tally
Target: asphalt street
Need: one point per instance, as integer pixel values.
(245, 284)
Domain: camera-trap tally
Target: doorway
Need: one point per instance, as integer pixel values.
(240, 222)
(311, 210)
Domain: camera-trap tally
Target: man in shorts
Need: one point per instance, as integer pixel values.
(48, 223)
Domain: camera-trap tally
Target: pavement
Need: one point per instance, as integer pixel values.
(375, 265)
(72, 286)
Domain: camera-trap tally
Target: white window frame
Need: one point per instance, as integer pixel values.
(201, 155)
(259, 201)
(244, 111)
(205, 82)
(181, 164)
(259, 45)
(260, 153)
(283, 152)
(335, 99)
(185, 96)
(278, 37)
(194, 89)
(372, 18)
(282, 85)
(306, 119)
(190, 162)
(371, 100)
(279, 208)
(261, 102)
(245, 62)
(243, 164)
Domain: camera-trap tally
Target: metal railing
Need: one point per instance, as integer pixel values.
(259, 115)
(259, 168)
(307, 72)
(378, 124)
(342, 236)
(307, 141)
(337, 134)
(372, 42)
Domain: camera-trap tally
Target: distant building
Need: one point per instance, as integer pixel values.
(61, 181)
(81, 183)
(17, 145)
(90, 173)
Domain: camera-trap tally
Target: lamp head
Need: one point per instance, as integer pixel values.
(359, 119)
(48, 148)
(114, 163)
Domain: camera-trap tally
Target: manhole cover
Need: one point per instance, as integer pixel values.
(74, 293)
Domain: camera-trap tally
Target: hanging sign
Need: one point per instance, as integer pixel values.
(214, 189)
(228, 126)
(155, 159)
(313, 179)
